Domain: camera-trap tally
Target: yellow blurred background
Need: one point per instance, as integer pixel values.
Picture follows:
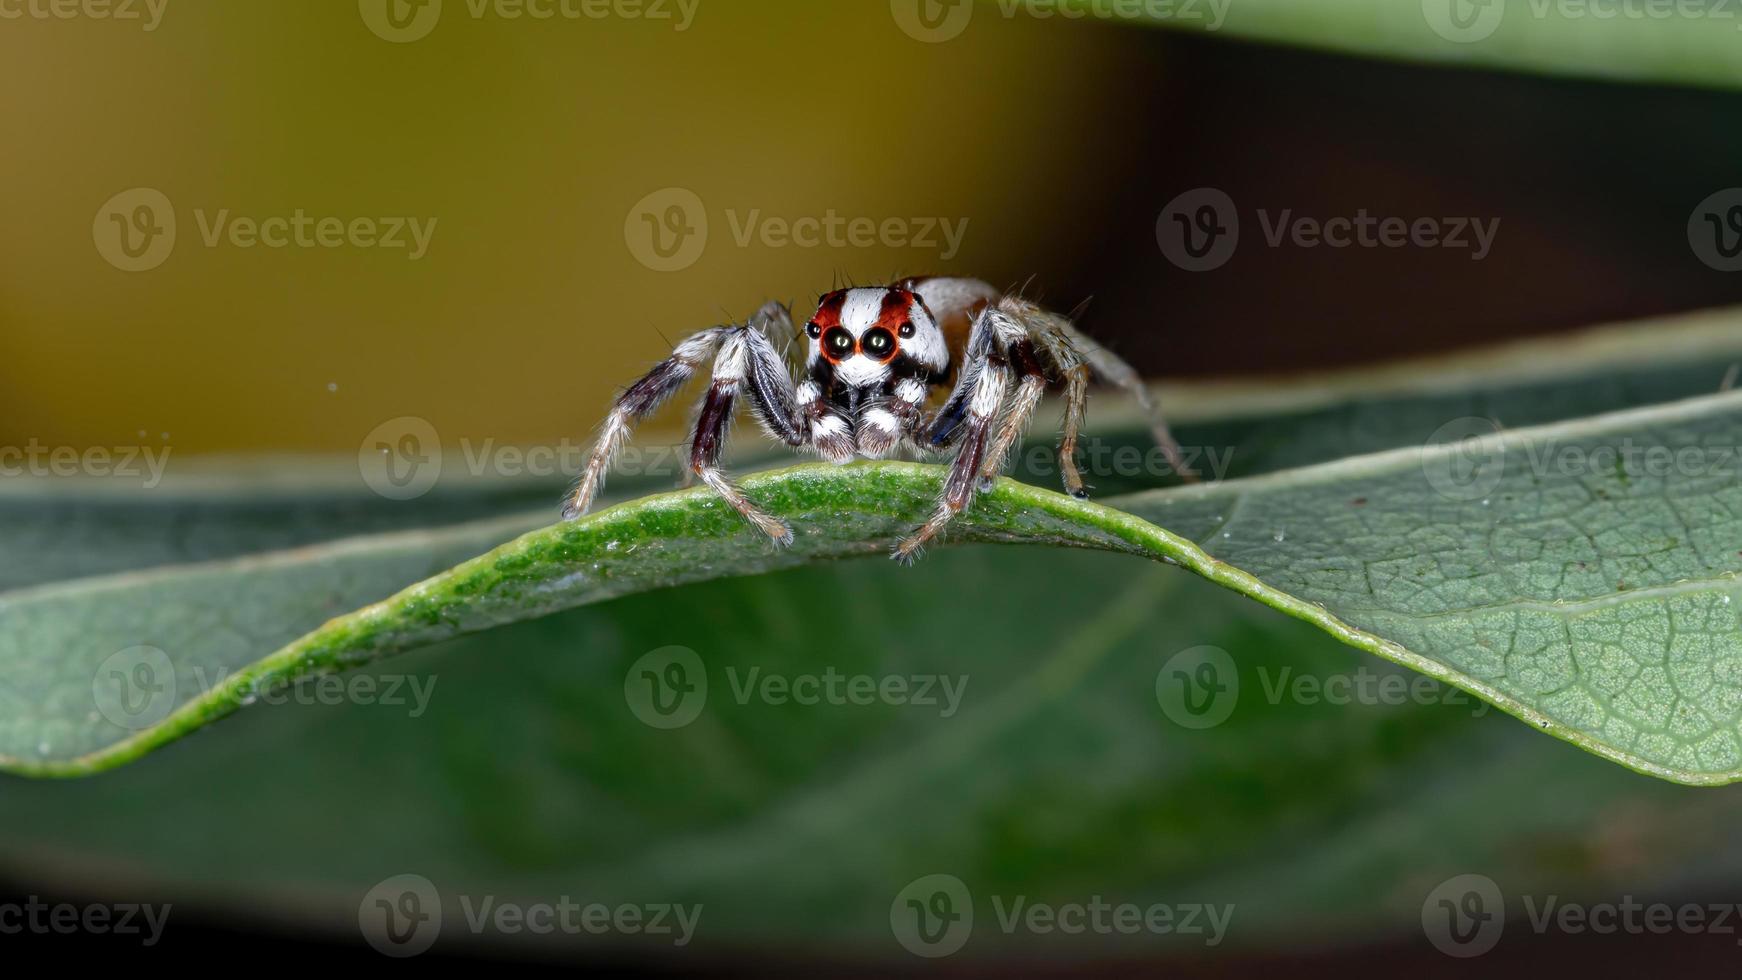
(531, 145)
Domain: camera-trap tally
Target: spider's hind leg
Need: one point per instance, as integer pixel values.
(1111, 369)
(1052, 337)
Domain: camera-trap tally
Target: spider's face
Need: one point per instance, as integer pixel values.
(869, 334)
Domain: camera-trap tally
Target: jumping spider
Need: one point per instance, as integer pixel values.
(875, 355)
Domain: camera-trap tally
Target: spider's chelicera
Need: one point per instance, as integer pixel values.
(875, 355)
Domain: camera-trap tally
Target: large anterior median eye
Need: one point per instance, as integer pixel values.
(838, 342)
(879, 343)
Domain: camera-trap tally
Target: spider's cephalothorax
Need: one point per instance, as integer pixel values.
(875, 355)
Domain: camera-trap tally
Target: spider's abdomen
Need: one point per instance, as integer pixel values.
(953, 303)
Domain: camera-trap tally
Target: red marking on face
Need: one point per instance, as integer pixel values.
(828, 313)
(897, 304)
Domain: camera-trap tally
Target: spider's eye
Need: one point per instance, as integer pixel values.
(813, 329)
(838, 342)
(907, 330)
(878, 342)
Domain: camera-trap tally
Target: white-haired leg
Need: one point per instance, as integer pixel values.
(635, 403)
(732, 369)
(1110, 369)
(1031, 385)
(966, 420)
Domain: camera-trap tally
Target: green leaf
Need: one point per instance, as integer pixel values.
(1684, 44)
(527, 775)
(1507, 596)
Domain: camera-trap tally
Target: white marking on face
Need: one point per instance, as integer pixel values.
(860, 371)
(927, 345)
(861, 309)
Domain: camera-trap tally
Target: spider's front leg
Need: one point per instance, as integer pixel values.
(636, 402)
(746, 360)
(966, 419)
(749, 361)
